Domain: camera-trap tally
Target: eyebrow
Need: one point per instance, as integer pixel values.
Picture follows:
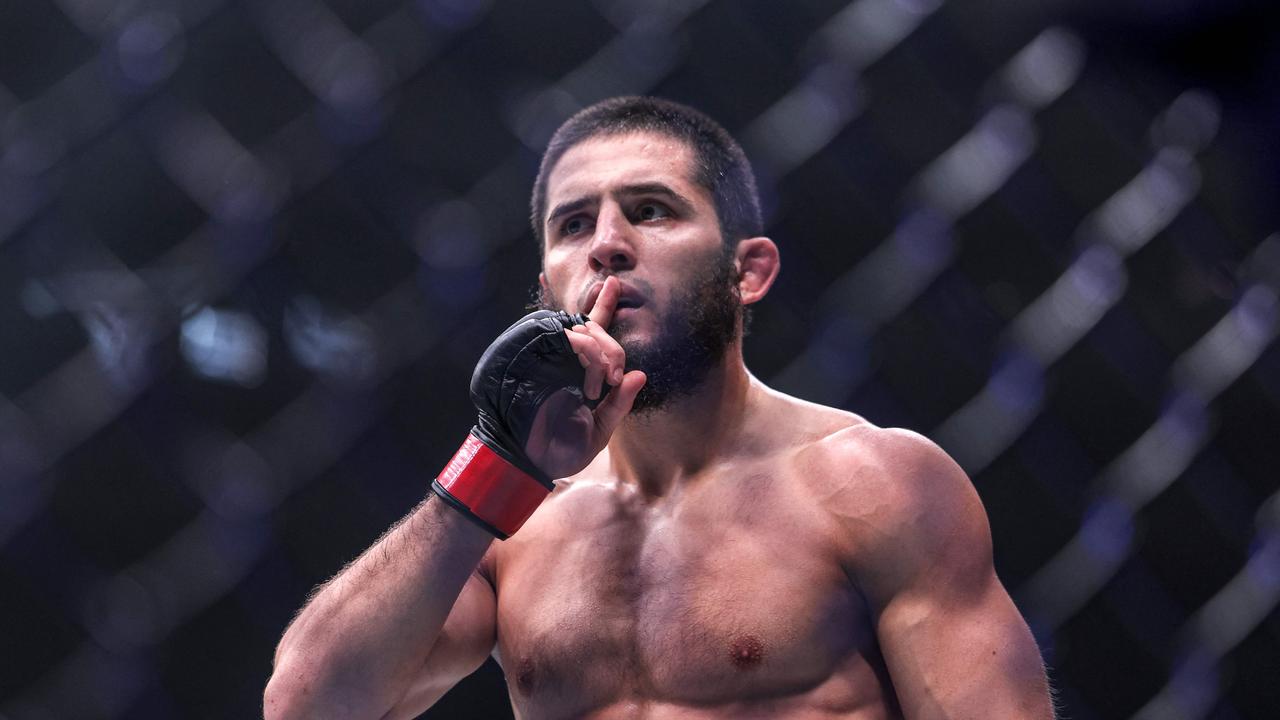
(653, 188)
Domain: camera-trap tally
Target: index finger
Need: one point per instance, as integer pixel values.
(606, 303)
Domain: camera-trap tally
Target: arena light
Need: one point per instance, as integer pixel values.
(225, 346)
(1044, 69)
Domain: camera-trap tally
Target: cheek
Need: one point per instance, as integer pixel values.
(557, 279)
(559, 282)
(553, 268)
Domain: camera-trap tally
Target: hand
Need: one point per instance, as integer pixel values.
(539, 416)
(567, 434)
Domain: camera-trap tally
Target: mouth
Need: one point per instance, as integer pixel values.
(628, 297)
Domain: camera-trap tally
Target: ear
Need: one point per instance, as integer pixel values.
(757, 262)
(542, 281)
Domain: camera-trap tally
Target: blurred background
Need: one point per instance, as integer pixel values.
(250, 252)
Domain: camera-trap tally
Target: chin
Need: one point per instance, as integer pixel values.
(628, 331)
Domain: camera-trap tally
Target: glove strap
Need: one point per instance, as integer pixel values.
(488, 490)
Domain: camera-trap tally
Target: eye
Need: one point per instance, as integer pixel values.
(573, 226)
(652, 211)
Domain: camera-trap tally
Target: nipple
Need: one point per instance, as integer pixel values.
(746, 652)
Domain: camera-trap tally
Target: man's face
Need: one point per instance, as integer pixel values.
(628, 206)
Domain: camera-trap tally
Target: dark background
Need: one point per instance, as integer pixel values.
(250, 251)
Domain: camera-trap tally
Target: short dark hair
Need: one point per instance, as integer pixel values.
(720, 166)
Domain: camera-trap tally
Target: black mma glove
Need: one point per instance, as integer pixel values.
(491, 479)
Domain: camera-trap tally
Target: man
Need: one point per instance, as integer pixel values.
(712, 548)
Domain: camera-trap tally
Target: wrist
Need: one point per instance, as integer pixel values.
(488, 489)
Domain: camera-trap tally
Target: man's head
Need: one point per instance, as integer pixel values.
(719, 165)
(641, 201)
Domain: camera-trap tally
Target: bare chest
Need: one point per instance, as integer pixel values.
(733, 599)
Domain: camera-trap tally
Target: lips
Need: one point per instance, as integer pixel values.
(592, 294)
(628, 297)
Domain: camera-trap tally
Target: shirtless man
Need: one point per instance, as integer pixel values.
(712, 548)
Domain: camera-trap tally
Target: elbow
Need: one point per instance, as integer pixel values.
(294, 693)
(277, 700)
(286, 696)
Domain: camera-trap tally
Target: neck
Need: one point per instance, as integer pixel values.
(660, 448)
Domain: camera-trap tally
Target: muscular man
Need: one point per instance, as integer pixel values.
(712, 548)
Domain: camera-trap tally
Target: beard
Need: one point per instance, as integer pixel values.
(693, 335)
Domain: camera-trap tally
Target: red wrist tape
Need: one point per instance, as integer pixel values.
(487, 488)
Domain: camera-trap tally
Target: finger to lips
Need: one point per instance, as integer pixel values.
(606, 302)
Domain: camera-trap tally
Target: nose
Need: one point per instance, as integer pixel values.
(613, 245)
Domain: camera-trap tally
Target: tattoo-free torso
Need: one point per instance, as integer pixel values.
(724, 599)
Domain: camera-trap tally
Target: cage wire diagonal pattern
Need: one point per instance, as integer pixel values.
(246, 248)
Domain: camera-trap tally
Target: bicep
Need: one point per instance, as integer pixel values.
(954, 643)
(962, 652)
(465, 641)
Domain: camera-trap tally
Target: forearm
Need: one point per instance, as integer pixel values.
(371, 640)
(359, 642)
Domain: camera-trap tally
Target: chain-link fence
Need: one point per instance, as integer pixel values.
(250, 251)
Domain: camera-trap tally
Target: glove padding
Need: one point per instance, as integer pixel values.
(517, 373)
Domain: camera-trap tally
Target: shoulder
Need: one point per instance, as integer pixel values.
(862, 472)
(858, 456)
(867, 476)
(897, 504)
